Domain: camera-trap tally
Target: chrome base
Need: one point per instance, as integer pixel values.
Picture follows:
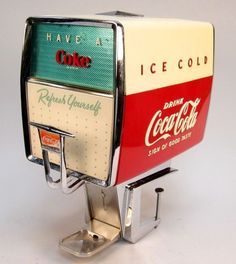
(87, 242)
(116, 212)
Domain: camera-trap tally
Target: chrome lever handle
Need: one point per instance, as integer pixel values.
(68, 182)
(54, 184)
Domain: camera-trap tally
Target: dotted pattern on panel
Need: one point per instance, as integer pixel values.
(89, 118)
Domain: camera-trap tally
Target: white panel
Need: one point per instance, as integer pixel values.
(87, 116)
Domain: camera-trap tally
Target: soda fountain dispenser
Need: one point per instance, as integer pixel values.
(107, 101)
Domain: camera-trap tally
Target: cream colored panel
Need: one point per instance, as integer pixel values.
(175, 51)
(164, 43)
(91, 123)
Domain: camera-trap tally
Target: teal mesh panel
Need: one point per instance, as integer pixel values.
(89, 41)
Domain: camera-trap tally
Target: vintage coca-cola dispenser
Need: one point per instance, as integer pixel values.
(108, 101)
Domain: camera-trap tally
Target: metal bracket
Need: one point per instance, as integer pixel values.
(133, 226)
(68, 180)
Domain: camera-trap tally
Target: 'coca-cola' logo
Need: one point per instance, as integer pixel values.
(49, 139)
(74, 60)
(163, 127)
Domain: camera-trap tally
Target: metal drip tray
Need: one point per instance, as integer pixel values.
(88, 242)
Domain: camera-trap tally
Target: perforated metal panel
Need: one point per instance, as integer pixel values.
(93, 42)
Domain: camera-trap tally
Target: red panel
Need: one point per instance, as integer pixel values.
(160, 124)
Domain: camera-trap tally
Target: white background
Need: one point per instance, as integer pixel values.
(199, 203)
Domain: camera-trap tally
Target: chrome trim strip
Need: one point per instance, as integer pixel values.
(119, 103)
(25, 59)
(72, 20)
(51, 129)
